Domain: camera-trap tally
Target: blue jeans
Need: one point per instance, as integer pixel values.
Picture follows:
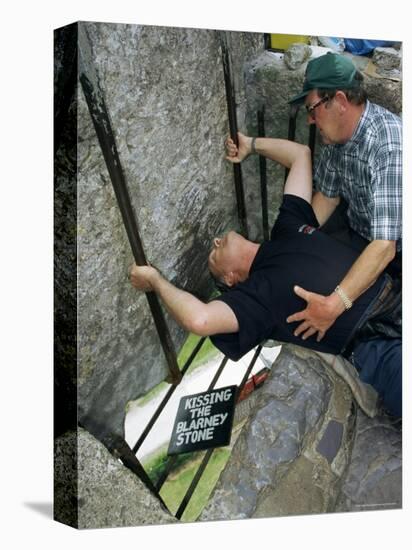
(379, 363)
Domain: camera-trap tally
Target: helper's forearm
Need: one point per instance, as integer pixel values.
(367, 268)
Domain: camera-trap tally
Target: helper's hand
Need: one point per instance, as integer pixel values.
(142, 277)
(320, 314)
(236, 154)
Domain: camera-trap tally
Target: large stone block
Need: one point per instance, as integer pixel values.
(95, 490)
(295, 446)
(165, 95)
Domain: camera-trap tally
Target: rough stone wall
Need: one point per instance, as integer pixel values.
(307, 449)
(101, 492)
(165, 94)
(270, 84)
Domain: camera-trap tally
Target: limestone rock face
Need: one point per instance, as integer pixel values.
(294, 448)
(165, 94)
(270, 84)
(109, 495)
(374, 478)
(306, 448)
(296, 54)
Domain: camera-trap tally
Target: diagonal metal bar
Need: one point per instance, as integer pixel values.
(293, 114)
(312, 139)
(231, 105)
(172, 460)
(102, 124)
(263, 176)
(249, 369)
(166, 398)
(208, 455)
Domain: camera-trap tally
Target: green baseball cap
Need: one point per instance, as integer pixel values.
(329, 71)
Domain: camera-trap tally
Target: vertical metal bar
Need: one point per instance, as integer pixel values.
(101, 121)
(166, 398)
(206, 458)
(193, 485)
(263, 176)
(249, 369)
(293, 113)
(312, 139)
(120, 449)
(231, 105)
(171, 461)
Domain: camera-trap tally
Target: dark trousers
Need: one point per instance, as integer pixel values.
(379, 363)
(378, 359)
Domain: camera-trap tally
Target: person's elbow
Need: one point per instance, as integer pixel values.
(200, 325)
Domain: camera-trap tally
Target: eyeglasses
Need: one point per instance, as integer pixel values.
(310, 109)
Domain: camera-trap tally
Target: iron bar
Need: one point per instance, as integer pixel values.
(233, 128)
(263, 176)
(166, 398)
(312, 139)
(102, 124)
(171, 461)
(293, 113)
(193, 485)
(120, 449)
(249, 369)
(206, 458)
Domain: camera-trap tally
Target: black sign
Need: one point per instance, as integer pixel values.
(203, 421)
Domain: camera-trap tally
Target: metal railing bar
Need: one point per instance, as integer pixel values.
(263, 176)
(218, 373)
(312, 139)
(208, 455)
(193, 485)
(102, 125)
(233, 127)
(166, 398)
(293, 113)
(172, 460)
(249, 369)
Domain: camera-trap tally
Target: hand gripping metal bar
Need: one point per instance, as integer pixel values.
(101, 121)
(231, 105)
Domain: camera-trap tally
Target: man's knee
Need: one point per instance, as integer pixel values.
(379, 363)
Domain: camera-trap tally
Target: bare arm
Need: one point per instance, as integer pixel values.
(189, 312)
(322, 311)
(289, 154)
(324, 206)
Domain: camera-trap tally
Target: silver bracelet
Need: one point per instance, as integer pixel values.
(343, 296)
(253, 146)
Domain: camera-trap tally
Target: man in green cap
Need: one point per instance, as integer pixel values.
(358, 179)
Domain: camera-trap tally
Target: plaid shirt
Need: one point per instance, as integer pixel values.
(367, 172)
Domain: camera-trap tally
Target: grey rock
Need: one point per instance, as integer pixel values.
(279, 451)
(374, 477)
(296, 55)
(269, 86)
(164, 90)
(387, 59)
(98, 491)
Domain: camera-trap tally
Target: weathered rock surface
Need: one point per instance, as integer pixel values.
(296, 54)
(165, 93)
(100, 492)
(307, 449)
(294, 448)
(387, 60)
(374, 477)
(269, 86)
